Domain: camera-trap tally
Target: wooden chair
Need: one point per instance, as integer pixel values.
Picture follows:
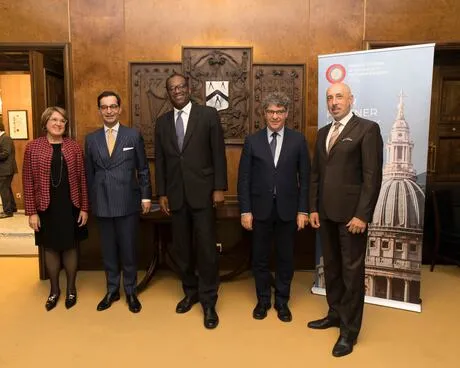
(446, 208)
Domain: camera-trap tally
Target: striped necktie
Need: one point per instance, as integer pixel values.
(334, 135)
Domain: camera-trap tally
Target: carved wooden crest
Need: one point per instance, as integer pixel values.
(149, 99)
(287, 78)
(221, 77)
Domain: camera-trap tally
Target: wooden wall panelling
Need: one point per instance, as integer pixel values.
(98, 59)
(28, 21)
(416, 21)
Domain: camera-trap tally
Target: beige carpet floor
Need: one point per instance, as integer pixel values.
(158, 337)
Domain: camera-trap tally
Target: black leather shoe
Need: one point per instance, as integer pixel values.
(107, 301)
(343, 346)
(323, 323)
(70, 300)
(260, 311)
(51, 301)
(186, 304)
(5, 215)
(284, 314)
(211, 319)
(134, 304)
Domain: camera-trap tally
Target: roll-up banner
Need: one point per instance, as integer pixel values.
(392, 87)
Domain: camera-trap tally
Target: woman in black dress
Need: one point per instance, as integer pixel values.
(56, 200)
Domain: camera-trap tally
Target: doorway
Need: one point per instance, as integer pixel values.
(32, 77)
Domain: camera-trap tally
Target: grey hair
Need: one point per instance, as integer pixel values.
(277, 99)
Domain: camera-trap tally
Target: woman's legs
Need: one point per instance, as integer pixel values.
(53, 266)
(70, 261)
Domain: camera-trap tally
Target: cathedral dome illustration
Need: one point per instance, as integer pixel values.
(401, 204)
(401, 201)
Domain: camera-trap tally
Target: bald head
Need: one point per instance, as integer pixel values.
(339, 100)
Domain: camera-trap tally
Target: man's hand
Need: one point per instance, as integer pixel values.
(356, 226)
(164, 204)
(146, 206)
(218, 197)
(34, 222)
(314, 220)
(246, 221)
(302, 221)
(82, 218)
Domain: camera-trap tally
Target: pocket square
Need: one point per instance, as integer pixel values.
(127, 148)
(347, 140)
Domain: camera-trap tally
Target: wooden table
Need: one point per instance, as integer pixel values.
(161, 226)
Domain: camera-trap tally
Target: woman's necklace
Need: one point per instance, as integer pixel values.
(56, 183)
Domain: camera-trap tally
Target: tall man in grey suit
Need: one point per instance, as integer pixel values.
(273, 194)
(8, 168)
(119, 188)
(345, 184)
(191, 177)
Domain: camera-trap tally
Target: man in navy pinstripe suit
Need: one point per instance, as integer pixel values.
(119, 188)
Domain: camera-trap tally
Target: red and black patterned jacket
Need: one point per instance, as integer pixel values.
(37, 171)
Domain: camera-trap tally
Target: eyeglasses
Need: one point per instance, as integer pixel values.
(60, 121)
(111, 107)
(180, 87)
(273, 112)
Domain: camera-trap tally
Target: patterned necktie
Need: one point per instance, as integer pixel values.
(110, 140)
(180, 130)
(273, 144)
(334, 135)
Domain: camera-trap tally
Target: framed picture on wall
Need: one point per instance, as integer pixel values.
(18, 124)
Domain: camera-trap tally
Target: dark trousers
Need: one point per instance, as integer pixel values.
(344, 262)
(194, 248)
(264, 232)
(8, 202)
(118, 240)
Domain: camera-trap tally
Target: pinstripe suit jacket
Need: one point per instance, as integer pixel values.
(37, 170)
(117, 183)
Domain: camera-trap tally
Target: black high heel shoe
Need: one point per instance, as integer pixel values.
(51, 301)
(71, 300)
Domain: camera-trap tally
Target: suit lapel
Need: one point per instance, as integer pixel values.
(119, 142)
(191, 124)
(285, 147)
(171, 126)
(263, 142)
(102, 145)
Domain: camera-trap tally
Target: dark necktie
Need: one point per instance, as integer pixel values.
(180, 130)
(273, 144)
(334, 135)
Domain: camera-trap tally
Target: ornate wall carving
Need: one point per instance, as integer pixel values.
(221, 77)
(287, 78)
(149, 98)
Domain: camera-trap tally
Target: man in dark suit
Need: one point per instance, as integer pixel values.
(8, 168)
(119, 188)
(273, 194)
(191, 177)
(345, 184)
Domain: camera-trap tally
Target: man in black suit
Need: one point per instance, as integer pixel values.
(345, 184)
(191, 177)
(119, 189)
(273, 194)
(8, 168)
